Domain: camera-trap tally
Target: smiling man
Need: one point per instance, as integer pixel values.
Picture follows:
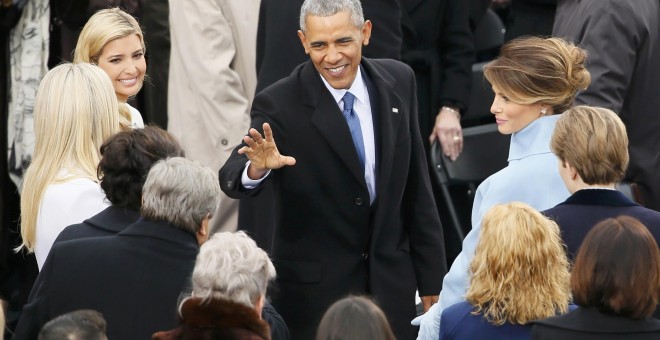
(340, 141)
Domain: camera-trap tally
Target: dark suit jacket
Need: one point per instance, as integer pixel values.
(438, 45)
(133, 278)
(328, 241)
(108, 222)
(585, 324)
(458, 322)
(585, 208)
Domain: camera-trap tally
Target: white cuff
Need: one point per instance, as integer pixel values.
(249, 183)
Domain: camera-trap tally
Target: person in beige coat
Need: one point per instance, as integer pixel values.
(212, 82)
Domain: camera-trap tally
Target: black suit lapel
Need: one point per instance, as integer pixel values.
(330, 122)
(384, 101)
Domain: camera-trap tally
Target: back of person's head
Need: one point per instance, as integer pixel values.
(126, 158)
(594, 141)
(181, 192)
(104, 26)
(520, 271)
(75, 111)
(354, 318)
(82, 324)
(535, 70)
(325, 8)
(232, 267)
(617, 269)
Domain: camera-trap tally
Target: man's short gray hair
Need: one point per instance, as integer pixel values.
(180, 192)
(230, 266)
(326, 8)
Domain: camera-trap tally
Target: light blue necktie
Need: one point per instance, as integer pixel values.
(354, 125)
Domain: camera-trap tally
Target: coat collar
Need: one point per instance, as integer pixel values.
(160, 230)
(601, 197)
(589, 319)
(534, 139)
(330, 122)
(113, 219)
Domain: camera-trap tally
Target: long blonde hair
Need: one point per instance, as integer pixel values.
(103, 27)
(520, 271)
(75, 111)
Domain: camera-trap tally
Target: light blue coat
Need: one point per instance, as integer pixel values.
(531, 177)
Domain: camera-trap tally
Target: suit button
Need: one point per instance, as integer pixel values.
(365, 255)
(358, 201)
(224, 142)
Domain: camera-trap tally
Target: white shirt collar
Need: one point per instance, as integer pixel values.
(358, 89)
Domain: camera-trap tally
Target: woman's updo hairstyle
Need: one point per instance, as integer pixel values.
(535, 70)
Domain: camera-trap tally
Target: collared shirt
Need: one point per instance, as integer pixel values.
(362, 107)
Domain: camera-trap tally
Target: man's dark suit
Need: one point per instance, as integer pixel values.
(108, 222)
(328, 241)
(133, 278)
(585, 208)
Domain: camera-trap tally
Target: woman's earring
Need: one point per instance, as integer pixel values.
(543, 111)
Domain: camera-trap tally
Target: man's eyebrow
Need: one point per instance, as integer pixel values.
(318, 43)
(344, 39)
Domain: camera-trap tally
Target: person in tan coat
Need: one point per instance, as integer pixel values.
(212, 82)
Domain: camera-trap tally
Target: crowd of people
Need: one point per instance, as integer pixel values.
(131, 237)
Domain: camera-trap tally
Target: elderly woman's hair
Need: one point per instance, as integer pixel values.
(326, 8)
(84, 324)
(520, 271)
(617, 269)
(103, 27)
(75, 111)
(535, 70)
(354, 318)
(181, 192)
(126, 160)
(230, 266)
(594, 141)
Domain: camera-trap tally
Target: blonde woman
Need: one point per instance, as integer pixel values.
(113, 40)
(75, 111)
(520, 273)
(534, 80)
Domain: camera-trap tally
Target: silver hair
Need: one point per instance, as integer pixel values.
(180, 192)
(230, 266)
(326, 8)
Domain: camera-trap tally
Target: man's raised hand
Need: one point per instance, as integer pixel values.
(262, 153)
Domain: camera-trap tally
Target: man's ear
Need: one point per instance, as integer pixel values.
(366, 32)
(202, 234)
(571, 170)
(303, 40)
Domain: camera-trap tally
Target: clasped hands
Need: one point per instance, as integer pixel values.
(262, 153)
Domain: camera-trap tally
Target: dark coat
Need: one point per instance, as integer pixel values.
(623, 41)
(530, 17)
(586, 324)
(458, 323)
(108, 222)
(438, 45)
(217, 319)
(585, 208)
(133, 278)
(328, 241)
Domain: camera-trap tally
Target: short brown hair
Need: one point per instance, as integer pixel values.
(354, 318)
(534, 70)
(594, 141)
(617, 269)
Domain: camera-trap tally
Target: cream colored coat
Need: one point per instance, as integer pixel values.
(212, 82)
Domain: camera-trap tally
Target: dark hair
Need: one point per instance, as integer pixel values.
(354, 318)
(126, 159)
(85, 324)
(617, 269)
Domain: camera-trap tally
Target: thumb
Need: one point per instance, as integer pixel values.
(288, 160)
